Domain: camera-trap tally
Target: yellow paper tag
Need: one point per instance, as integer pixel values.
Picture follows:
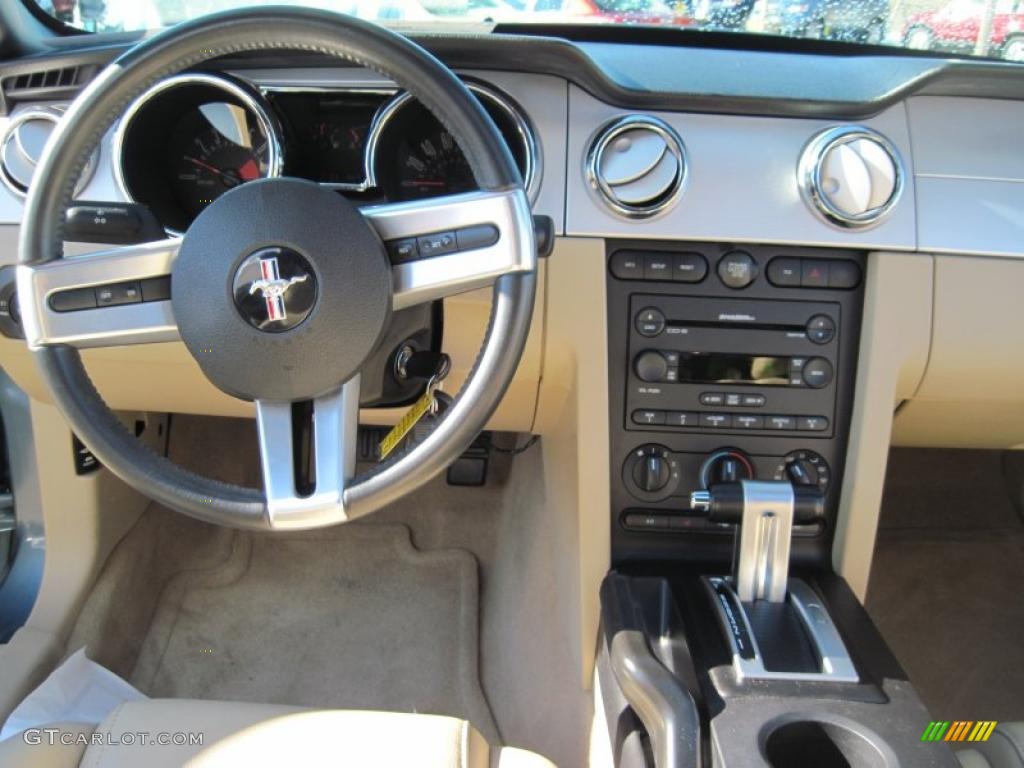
(410, 420)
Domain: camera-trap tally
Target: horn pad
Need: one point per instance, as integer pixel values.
(281, 290)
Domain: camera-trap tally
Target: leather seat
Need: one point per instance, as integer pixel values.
(236, 734)
(1004, 749)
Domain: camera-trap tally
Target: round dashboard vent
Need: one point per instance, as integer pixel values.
(22, 146)
(851, 175)
(637, 166)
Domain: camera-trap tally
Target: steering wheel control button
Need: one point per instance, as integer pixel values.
(156, 289)
(737, 269)
(119, 293)
(294, 332)
(274, 289)
(817, 373)
(404, 250)
(689, 268)
(437, 244)
(73, 300)
(821, 329)
(473, 238)
(650, 322)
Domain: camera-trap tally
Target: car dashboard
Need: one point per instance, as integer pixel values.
(767, 263)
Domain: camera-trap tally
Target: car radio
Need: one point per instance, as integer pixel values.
(731, 364)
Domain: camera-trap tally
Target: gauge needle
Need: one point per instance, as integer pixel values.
(226, 175)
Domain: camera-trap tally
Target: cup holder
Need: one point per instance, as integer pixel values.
(822, 744)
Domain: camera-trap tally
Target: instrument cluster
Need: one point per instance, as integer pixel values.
(194, 136)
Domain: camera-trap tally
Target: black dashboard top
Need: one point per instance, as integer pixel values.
(699, 72)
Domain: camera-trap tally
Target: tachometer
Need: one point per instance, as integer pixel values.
(216, 147)
(191, 138)
(428, 163)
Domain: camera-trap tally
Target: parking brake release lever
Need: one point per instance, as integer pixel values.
(766, 513)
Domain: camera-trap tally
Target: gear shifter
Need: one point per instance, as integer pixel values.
(760, 605)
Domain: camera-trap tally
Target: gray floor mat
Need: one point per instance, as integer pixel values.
(945, 582)
(348, 617)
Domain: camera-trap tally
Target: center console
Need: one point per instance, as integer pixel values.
(727, 640)
(726, 363)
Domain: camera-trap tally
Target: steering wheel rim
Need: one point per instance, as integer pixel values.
(509, 265)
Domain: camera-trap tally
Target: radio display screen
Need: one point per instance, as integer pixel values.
(717, 368)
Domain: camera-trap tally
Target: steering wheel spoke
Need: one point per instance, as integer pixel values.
(101, 299)
(485, 235)
(322, 456)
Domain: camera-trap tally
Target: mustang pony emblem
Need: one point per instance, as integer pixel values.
(273, 287)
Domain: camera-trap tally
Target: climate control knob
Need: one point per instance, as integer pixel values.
(804, 468)
(651, 473)
(650, 366)
(727, 465)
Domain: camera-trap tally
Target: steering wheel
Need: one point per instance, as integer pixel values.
(277, 237)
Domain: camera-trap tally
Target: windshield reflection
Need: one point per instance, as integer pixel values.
(993, 28)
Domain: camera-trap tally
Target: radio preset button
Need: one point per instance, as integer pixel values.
(811, 423)
(658, 266)
(817, 373)
(737, 269)
(712, 398)
(716, 420)
(649, 418)
(689, 268)
(821, 329)
(681, 419)
(745, 421)
(780, 422)
(650, 322)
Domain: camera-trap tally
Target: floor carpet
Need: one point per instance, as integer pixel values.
(945, 582)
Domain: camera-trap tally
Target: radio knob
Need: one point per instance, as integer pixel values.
(651, 366)
(817, 373)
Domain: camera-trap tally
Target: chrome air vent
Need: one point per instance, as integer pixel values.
(22, 146)
(852, 176)
(637, 166)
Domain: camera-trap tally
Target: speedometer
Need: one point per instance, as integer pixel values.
(416, 157)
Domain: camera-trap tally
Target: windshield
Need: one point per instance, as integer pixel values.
(991, 28)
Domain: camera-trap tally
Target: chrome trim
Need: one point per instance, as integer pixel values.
(532, 173)
(433, 278)
(335, 427)
(766, 530)
(141, 323)
(605, 192)
(809, 176)
(834, 659)
(51, 114)
(250, 98)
